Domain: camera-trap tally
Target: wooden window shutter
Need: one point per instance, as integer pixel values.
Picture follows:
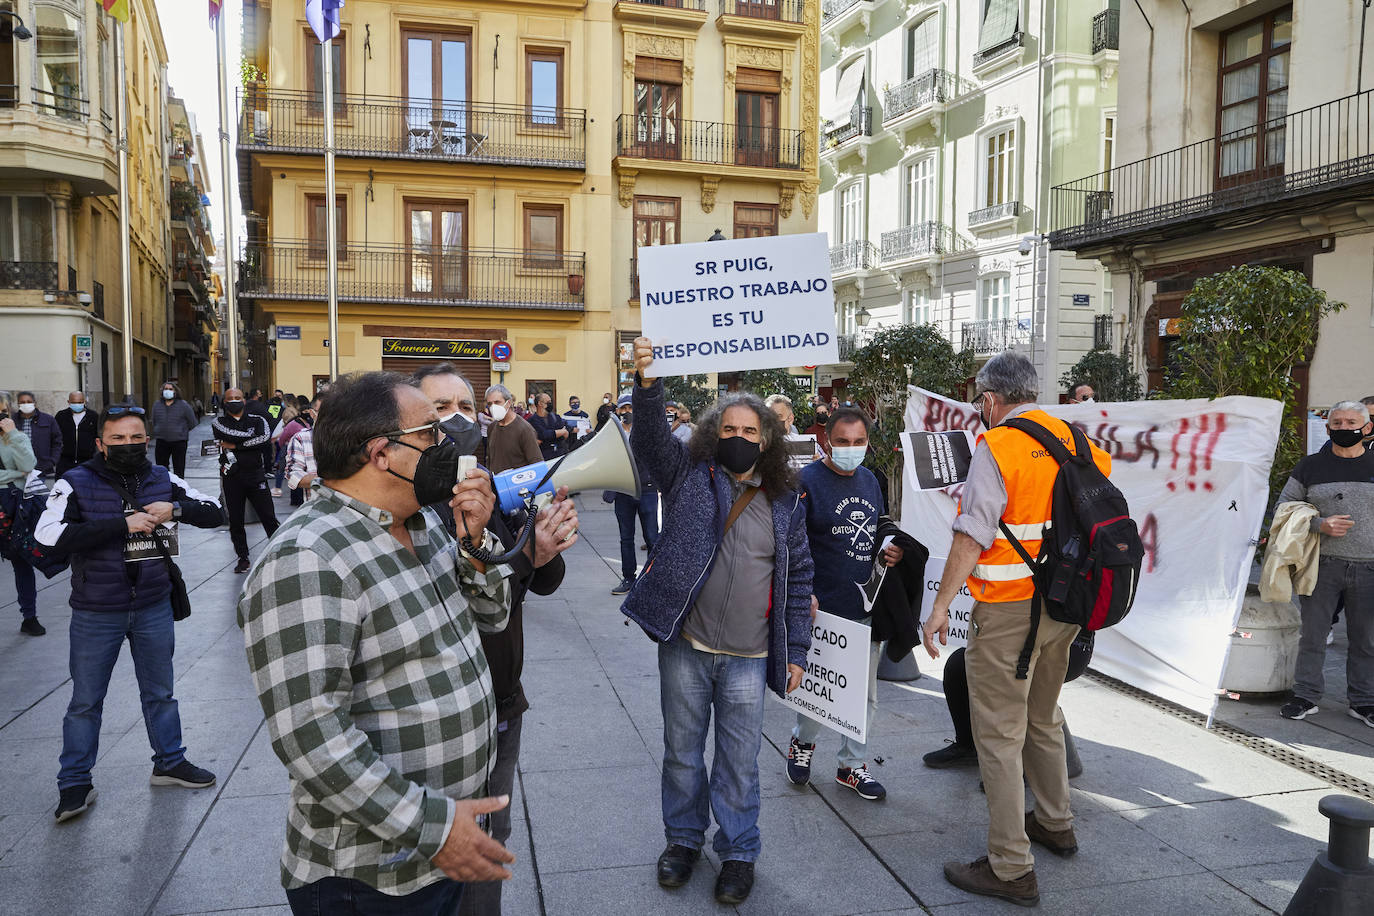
(657, 70)
(747, 79)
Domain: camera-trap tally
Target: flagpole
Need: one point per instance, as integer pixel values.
(230, 240)
(126, 291)
(331, 212)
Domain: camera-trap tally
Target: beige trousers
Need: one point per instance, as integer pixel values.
(1016, 721)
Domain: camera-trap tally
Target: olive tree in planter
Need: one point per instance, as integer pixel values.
(1243, 332)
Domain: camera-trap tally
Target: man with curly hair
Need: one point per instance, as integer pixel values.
(727, 596)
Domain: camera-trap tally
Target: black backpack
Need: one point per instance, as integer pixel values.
(1090, 556)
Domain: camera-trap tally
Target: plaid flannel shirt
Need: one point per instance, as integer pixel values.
(370, 672)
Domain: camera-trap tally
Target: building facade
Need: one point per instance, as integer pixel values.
(716, 105)
(1271, 162)
(60, 273)
(473, 192)
(193, 248)
(945, 125)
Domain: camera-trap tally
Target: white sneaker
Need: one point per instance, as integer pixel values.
(276, 491)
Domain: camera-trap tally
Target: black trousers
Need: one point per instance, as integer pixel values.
(252, 488)
(335, 895)
(165, 450)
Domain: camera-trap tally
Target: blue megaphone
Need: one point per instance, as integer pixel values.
(603, 463)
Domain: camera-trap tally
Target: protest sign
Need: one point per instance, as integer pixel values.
(801, 450)
(834, 689)
(1196, 476)
(960, 609)
(728, 306)
(208, 448)
(939, 459)
(142, 546)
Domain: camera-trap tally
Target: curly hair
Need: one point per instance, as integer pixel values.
(773, 466)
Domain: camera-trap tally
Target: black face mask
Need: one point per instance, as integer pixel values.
(737, 454)
(436, 473)
(1345, 438)
(126, 459)
(233, 407)
(627, 417)
(574, 406)
(465, 434)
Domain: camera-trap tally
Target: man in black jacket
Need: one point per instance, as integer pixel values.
(77, 425)
(245, 455)
(538, 568)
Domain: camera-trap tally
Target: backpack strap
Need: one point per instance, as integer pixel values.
(1023, 660)
(738, 509)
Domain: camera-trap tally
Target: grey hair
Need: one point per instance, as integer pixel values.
(1011, 376)
(1351, 407)
(501, 390)
(776, 399)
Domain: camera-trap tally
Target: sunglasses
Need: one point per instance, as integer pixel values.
(120, 410)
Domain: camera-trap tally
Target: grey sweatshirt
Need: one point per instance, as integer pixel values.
(1337, 486)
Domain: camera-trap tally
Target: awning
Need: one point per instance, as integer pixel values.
(1001, 22)
(848, 94)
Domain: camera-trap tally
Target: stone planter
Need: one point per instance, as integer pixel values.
(1264, 648)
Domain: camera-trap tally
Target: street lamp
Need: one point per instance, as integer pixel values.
(716, 237)
(861, 317)
(19, 31)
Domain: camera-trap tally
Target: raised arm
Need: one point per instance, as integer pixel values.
(651, 438)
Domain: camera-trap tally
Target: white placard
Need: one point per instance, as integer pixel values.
(1196, 476)
(834, 689)
(733, 305)
(1317, 434)
(960, 609)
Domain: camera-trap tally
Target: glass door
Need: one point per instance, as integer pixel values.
(658, 119)
(436, 250)
(437, 92)
(1252, 102)
(756, 128)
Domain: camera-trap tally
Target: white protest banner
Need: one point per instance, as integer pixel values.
(834, 689)
(728, 306)
(1196, 476)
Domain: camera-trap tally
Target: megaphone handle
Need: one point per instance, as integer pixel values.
(484, 556)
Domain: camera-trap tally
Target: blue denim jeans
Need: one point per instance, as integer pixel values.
(693, 684)
(26, 586)
(96, 638)
(336, 896)
(627, 508)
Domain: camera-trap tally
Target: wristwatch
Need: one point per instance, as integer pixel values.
(176, 511)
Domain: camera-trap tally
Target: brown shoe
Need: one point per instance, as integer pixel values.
(977, 877)
(1060, 842)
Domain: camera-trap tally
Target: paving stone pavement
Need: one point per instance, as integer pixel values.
(1171, 818)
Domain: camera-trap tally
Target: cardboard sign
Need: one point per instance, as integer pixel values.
(139, 547)
(209, 447)
(733, 305)
(939, 459)
(834, 689)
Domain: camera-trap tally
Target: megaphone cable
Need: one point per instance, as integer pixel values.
(482, 555)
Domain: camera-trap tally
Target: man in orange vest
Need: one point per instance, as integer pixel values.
(1010, 481)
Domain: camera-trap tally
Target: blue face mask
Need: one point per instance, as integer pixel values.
(848, 457)
(77, 408)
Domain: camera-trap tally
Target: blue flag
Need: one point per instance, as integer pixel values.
(323, 16)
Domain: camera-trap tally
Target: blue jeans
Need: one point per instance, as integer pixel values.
(26, 586)
(96, 638)
(852, 753)
(626, 509)
(335, 896)
(691, 685)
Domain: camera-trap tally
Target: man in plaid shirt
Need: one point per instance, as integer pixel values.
(361, 623)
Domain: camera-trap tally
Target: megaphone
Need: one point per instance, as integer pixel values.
(604, 462)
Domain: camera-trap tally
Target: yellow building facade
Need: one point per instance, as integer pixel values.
(715, 128)
(60, 273)
(473, 193)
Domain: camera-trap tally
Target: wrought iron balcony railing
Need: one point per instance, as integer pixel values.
(384, 127)
(711, 142)
(28, 275)
(1015, 41)
(420, 275)
(98, 299)
(849, 344)
(995, 212)
(993, 335)
(62, 106)
(832, 8)
(930, 88)
(851, 256)
(918, 240)
(860, 125)
(1107, 31)
(1102, 332)
(779, 10)
(1286, 164)
(673, 4)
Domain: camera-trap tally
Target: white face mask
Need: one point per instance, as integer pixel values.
(168, 394)
(1087, 401)
(27, 408)
(848, 457)
(605, 400)
(497, 411)
(77, 408)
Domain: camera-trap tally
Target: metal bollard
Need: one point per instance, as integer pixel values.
(1340, 881)
(905, 670)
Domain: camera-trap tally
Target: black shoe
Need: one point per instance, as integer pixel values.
(243, 565)
(953, 754)
(735, 882)
(675, 865)
(624, 587)
(184, 774)
(1297, 708)
(32, 627)
(73, 802)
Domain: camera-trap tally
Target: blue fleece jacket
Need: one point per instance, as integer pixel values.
(696, 501)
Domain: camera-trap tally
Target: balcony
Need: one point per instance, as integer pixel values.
(852, 258)
(61, 106)
(1306, 160)
(998, 216)
(28, 275)
(1107, 31)
(838, 15)
(921, 100)
(763, 18)
(993, 335)
(381, 127)
(470, 277)
(995, 56)
(849, 345)
(918, 245)
(688, 13)
(1102, 332)
(707, 142)
(860, 127)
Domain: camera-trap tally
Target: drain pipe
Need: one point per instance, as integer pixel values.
(1359, 65)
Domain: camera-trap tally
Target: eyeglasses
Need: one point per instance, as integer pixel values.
(436, 431)
(119, 410)
(979, 397)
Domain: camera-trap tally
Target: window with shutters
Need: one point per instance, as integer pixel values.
(318, 229)
(851, 213)
(1252, 98)
(543, 235)
(999, 168)
(994, 299)
(1000, 29)
(922, 51)
(756, 116)
(755, 220)
(658, 108)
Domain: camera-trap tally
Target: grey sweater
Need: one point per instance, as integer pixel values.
(1337, 486)
(173, 422)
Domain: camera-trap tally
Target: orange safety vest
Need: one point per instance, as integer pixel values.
(1028, 471)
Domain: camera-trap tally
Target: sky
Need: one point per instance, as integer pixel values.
(191, 74)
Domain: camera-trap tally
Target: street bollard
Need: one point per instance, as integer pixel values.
(1340, 881)
(905, 670)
